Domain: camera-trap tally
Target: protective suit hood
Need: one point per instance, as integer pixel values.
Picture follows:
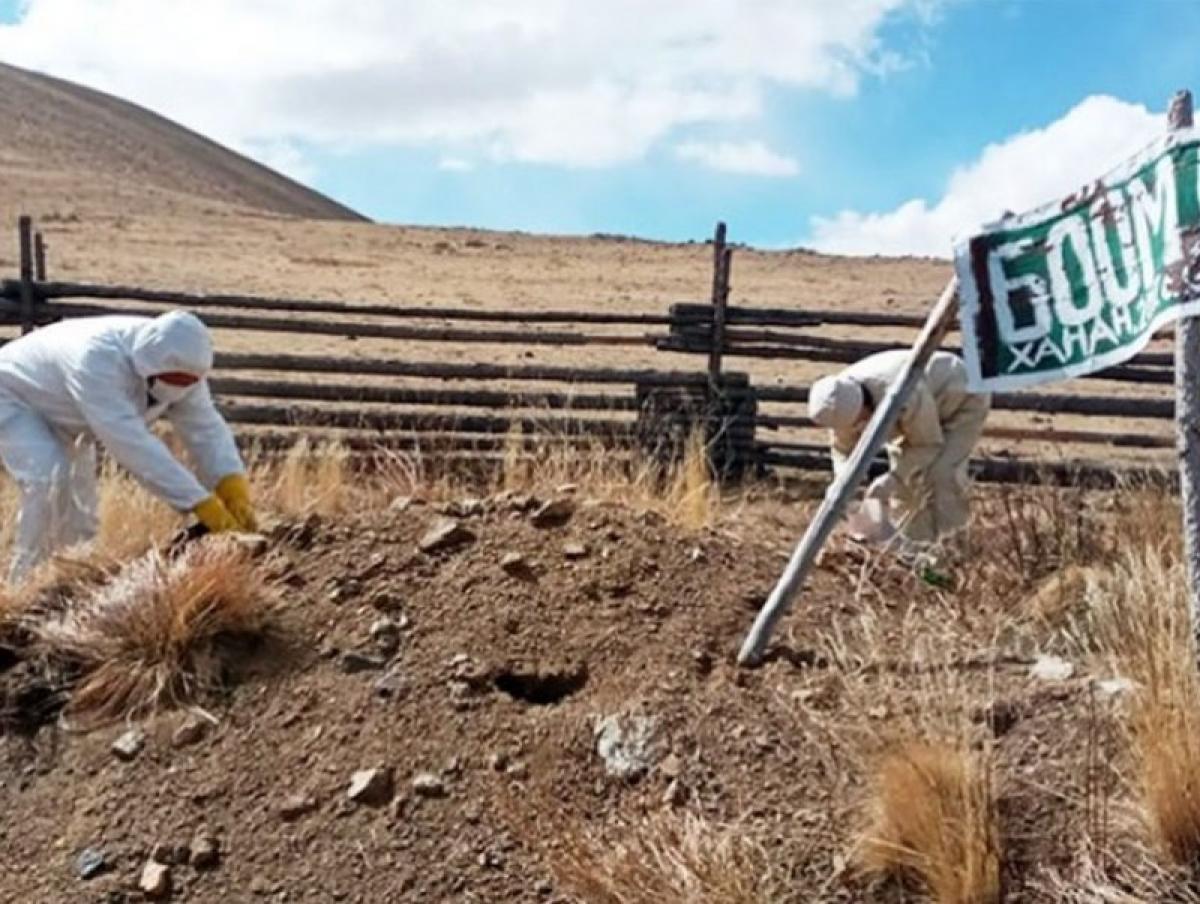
(835, 402)
(177, 341)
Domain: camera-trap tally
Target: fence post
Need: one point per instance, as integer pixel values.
(722, 259)
(1187, 407)
(25, 238)
(39, 257)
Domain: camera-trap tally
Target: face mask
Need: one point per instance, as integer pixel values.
(168, 394)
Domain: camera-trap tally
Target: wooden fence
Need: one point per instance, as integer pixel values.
(419, 400)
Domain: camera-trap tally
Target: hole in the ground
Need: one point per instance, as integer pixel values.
(541, 687)
(8, 658)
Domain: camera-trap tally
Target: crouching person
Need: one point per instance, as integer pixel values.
(929, 446)
(107, 379)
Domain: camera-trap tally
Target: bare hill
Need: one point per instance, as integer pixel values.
(89, 152)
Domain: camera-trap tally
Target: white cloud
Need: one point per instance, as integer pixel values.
(1022, 172)
(283, 156)
(749, 157)
(455, 165)
(546, 81)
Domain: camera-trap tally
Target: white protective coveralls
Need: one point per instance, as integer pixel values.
(68, 384)
(930, 444)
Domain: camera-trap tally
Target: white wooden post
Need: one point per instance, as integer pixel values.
(1187, 408)
(843, 487)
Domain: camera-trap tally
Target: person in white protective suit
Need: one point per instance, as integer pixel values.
(928, 449)
(67, 385)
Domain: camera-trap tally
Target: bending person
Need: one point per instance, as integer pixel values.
(69, 384)
(928, 449)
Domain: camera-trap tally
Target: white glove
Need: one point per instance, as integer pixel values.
(882, 487)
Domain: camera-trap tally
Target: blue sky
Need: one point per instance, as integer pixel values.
(881, 126)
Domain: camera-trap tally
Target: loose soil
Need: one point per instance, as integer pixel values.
(500, 676)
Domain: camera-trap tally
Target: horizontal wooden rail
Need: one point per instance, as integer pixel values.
(351, 392)
(359, 330)
(1055, 437)
(849, 352)
(360, 419)
(282, 440)
(1097, 475)
(1046, 403)
(345, 365)
(55, 290)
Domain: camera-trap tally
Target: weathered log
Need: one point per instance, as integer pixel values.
(436, 370)
(51, 290)
(362, 419)
(1096, 475)
(1050, 403)
(351, 392)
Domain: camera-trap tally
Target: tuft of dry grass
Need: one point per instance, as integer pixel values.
(1140, 619)
(309, 478)
(131, 519)
(685, 493)
(666, 857)
(152, 635)
(935, 821)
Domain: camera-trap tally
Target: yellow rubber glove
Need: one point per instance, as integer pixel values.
(213, 514)
(234, 491)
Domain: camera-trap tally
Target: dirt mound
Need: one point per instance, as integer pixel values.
(521, 683)
(85, 150)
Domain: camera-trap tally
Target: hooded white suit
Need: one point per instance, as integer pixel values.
(931, 443)
(66, 385)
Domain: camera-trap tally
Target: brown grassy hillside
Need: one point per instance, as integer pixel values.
(94, 152)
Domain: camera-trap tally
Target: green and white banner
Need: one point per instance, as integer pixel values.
(1083, 283)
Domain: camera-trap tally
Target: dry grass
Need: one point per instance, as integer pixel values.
(934, 820)
(684, 493)
(152, 635)
(927, 814)
(667, 857)
(132, 520)
(309, 478)
(1140, 617)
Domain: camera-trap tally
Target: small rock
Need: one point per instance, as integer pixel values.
(204, 852)
(445, 534)
(373, 787)
(499, 761)
(155, 882)
(296, 806)
(469, 507)
(261, 886)
(1111, 688)
(555, 512)
(170, 854)
(90, 863)
(575, 551)
(626, 744)
(353, 663)
(130, 744)
(1051, 668)
(386, 634)
(401, 504)
(345, 591)
(191, 731)
(383, 601)
(254, 545)
(426, 784)
(390, 685)
(675, 795)
(671, 767)
(567, 489)
(513, 562)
